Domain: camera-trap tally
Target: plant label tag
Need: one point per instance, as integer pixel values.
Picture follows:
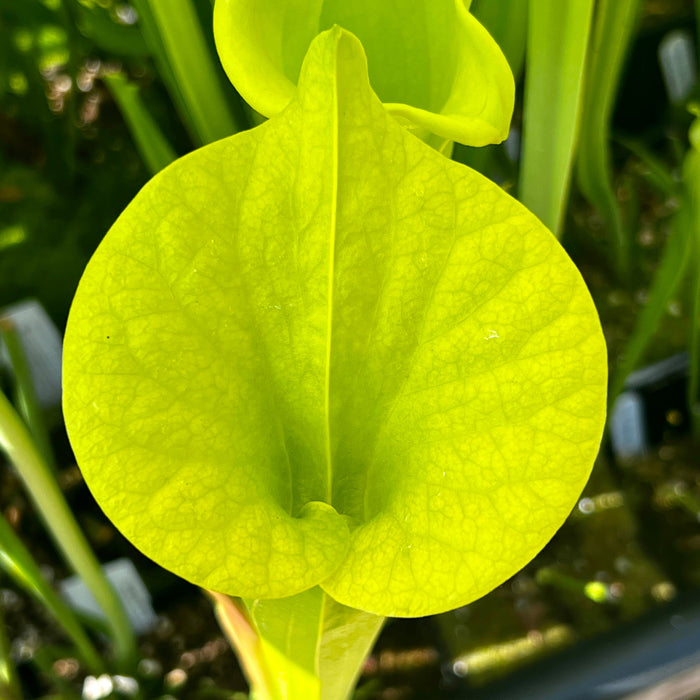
(627, 426)
(677, 59)
(652, 404)
(41, 342)
(131, 590)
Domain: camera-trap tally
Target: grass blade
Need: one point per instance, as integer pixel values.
(556, 54)
(149, 30)
(615, 21)
(666, 281)
(16, 442)
(25, 396)
(172, 29)
(19, 565)
(235, 623)
(657, 172)
(152, 145)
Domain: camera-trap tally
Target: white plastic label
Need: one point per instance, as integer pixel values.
(627, 429)
(42, 346)
(122, 574)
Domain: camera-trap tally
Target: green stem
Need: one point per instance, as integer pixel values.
(16, 442)
(173, 30)
(18, 563)
(615, 21)
(657, 172)
(556, 56)
(667, 279)
(314, 646)
(305, 646)
(26, 399)
(245, 641)
(346, 638)
(150, 141)
(677, 493)
(593, 590)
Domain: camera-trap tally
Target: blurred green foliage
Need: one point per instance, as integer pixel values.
(70, 162)
(67, 162)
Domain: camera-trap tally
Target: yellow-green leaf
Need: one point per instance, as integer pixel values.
(430, 61)
(318, 352)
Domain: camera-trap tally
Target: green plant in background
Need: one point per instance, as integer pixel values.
(18, 564)
(23, 438)
(557, 42)
(319, 400)
(569, 96)
(153, 146)
(316, 365)
(178, 44)
(615, 22)
(54, 164)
